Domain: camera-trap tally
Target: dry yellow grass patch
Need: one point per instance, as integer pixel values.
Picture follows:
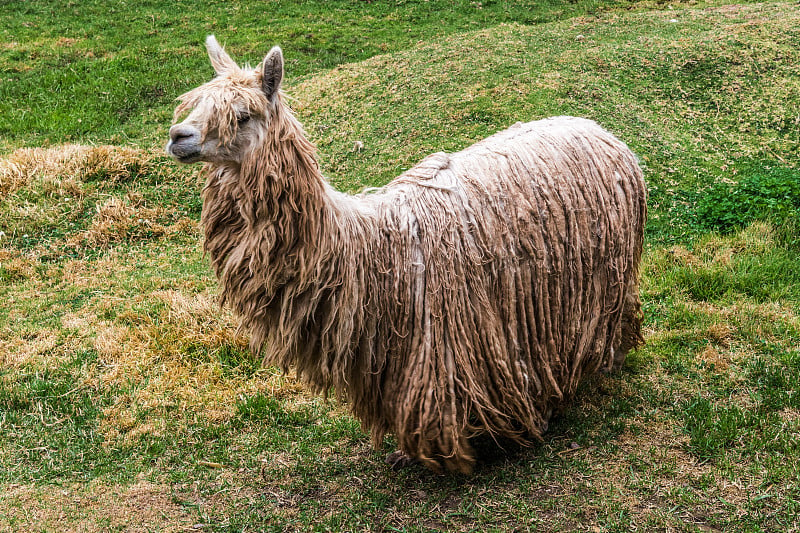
(78, 321)
(681, 256)
(93, 507)
(119, 220)
(65, 41)
(721, 333)
(14, 265)
(711, 356)
(95, 274)
(200, 318)
(173, 360)
(792, 416)
(16, 351)
(64, 168)
(718, 354)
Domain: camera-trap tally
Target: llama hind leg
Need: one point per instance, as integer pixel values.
(630, 332)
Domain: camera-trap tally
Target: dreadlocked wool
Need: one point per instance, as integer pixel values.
(468, 296)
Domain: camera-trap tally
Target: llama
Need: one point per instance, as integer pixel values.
(467, 297)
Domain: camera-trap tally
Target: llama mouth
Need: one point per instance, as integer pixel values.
(183, 156)
(189, 158)
(182, 151)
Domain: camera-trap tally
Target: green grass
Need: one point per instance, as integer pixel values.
(128, 400)
(765, 192)
(106, 71)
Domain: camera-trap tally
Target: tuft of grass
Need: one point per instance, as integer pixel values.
(124, 221)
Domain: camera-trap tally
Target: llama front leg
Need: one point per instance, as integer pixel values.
(399, 459)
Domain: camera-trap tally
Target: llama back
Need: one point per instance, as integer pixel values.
(520, 259)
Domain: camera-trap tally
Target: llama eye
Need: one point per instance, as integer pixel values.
(242, 119)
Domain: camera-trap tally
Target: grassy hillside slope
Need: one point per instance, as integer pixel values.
(129, 403)
(109, 70)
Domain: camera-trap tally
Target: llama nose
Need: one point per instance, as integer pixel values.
(180, 132)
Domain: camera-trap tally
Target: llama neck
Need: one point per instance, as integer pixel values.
(275, 199)
(281, 183)
(265, 222)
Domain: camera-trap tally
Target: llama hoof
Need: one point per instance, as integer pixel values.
(399, 459)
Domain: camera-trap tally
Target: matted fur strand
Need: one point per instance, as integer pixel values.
(468, 296)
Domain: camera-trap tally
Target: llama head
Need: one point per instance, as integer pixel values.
(229, 115)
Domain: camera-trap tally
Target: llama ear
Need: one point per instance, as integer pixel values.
(272, 72)
(220, 59)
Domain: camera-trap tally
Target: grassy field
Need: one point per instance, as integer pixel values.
(129, 403)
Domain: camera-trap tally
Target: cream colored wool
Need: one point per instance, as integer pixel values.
(468, 296)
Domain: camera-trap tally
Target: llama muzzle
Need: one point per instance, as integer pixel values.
(184, 143)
